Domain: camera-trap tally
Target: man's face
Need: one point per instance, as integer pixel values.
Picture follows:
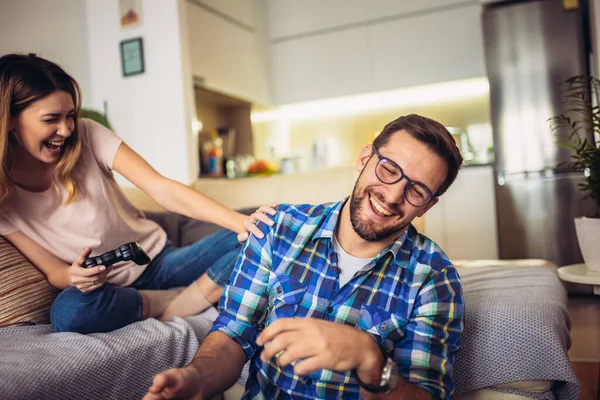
(379, 211)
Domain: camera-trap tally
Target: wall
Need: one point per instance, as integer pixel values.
(152, 112)
(55, 30)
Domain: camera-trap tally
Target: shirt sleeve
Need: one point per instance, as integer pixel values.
(245, 300)
(425, 355)
(102, 141)
(6, 227)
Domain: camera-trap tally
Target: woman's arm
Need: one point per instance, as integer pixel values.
(60, 274)
(175, 196)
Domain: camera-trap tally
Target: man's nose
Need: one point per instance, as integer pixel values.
(395, 192)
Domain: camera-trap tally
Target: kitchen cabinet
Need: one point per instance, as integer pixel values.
(227, 57)
(292, 17)
(463, 223)
(382, 46)
(327, 65)
(449, 47)
(288, 18)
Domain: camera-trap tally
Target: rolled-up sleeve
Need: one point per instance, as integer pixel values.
(245, 300)
(425, 355)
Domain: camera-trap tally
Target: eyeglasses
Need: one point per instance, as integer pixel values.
(389, 172)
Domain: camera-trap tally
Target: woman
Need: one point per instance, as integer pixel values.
(58, 196)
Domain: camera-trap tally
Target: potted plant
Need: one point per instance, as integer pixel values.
(579, 127)
(95, 116)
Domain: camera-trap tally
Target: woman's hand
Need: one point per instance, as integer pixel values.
(86, 279)
(262, 214)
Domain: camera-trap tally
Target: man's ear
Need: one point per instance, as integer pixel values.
(428, 207)
(363, 157)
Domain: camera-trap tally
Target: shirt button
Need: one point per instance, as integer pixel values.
(329, 310)
(309, 382)
(382, 327)
(279, 290)
(338, 270)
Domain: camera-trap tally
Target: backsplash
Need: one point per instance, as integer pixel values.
(296, 139)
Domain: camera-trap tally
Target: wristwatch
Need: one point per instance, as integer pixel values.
(389, 379)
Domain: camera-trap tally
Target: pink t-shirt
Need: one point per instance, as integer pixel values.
(100, 217)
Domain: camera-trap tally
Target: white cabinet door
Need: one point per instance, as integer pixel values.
(428, 48)
(295, 17)
(292, 17)
(327, 65)
(463, 223)
(229, 58)
(391, 8)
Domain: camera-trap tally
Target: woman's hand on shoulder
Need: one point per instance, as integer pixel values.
(264, 214)
(86, 279)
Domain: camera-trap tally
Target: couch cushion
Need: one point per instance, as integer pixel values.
(25, 294)
(182, 230)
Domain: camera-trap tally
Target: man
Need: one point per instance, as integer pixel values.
(343, 300)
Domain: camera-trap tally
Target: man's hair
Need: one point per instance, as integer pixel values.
(434, 135)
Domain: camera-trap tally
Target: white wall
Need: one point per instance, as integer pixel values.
(54, 29)
(151, 111)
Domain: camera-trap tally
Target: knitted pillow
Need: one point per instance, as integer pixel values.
(25, 294)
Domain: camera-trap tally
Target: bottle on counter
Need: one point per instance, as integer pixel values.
(215, 158)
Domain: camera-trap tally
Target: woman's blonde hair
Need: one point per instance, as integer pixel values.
(25, 79)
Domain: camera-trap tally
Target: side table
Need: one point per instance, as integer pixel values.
(578, 273)
(585, 330)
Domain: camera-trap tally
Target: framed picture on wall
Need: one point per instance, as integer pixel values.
(130, 12)
(132, 56)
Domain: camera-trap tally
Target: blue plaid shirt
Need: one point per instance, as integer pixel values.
(408, 298)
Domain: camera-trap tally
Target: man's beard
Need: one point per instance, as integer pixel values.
(365, 228)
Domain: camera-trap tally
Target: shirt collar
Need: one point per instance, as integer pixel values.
(401, 246)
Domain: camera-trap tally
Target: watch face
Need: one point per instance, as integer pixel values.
(389, 376)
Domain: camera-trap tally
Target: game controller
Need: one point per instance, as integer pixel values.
(126, 252)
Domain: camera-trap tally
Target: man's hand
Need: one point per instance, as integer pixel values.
(316, 344)
(176, 383)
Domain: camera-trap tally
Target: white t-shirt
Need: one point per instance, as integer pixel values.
(348, 264)
(100, 217)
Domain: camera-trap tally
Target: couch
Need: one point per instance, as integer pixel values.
(514, 346)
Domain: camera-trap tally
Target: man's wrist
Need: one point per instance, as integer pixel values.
(371, 366)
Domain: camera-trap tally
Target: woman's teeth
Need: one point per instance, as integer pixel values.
(378, 207)
(54, 145)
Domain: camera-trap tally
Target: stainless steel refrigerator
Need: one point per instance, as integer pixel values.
(531, 48)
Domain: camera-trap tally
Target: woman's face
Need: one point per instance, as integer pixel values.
(42, 128)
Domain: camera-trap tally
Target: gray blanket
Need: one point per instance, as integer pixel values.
(516, 329)
(38, 364)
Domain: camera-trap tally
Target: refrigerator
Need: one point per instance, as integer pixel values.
(531, 48)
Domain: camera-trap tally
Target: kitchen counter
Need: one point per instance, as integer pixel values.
(304, 187)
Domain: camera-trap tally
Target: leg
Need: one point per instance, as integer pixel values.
(106, 308)
(102, 310)
(208, 288)
(182, 266)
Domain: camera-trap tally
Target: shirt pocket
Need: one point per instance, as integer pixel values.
(286, 293)
(385, 326)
